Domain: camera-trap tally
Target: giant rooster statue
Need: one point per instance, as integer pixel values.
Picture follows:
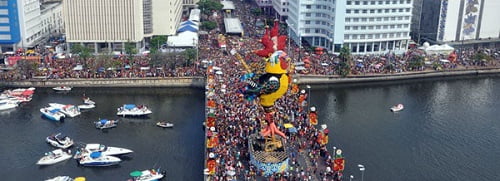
(273, 84)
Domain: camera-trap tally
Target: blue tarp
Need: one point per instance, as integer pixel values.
(127, 66)
(187, 28)
(129, 106)
(103, 121)
(292, 130)
(95, 154)
(54, 110)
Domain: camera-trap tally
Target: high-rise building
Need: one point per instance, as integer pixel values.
(457, 22)
(365, 26)
(21, 23)
(110, 24)
(280, 8)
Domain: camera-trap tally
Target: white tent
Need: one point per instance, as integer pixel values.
(439, 49)
(195, 15)
(184, 39)
(227, 5)
(233, 25)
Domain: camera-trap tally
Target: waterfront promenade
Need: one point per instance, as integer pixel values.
(200, 82)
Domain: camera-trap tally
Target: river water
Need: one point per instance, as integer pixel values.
(179, 150)
(449, 130)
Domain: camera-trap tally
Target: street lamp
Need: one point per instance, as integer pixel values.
(308, 94)
(362, 169)
(351, 177)
(289, 33)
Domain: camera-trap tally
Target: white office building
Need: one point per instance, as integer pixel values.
(457, 22)
(111, 23)
(366, 26)
(280, 8)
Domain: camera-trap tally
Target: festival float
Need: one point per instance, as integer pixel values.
(267, 148)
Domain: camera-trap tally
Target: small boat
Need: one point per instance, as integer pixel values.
(52, 113)
(86, 106)
(60, 178)
(397, 108)
(133, 110)
(62, 88)
(105, 123)
(106, 150)
(59, 140)
(147, 175)
(98, 159)
(87, 100)
(164, 124)
(69, 110)
(7, 104)
(54, 157)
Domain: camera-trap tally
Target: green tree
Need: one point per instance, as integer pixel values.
(81, 51)
(345, 63)
(207, 6)
(158, 59)
(209, 25)
(256, 11)
(189, 54)
(26, 67)
(481, 56)
(416, 62)
(156, 42)
(130, 50)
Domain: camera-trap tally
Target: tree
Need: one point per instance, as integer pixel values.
(82, 51)
(256, 11)
(158, 59)
(130, 50)
(156, 42)
(416, 62)
(345, 63)
(481, 56)
(207, 6)
(209, 25)
(189, 55)
(27, 68)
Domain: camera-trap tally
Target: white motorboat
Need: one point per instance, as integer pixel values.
(86, 106)
(106, 150)
(133, 110)
(105, 123)
(62, 88)
(60, 178)
(52, 113)
(147, 175)
(59, 140)
(87, 100)
(69, 110)
(164, 124)
(397, 108)
(7, 104)
(98, 159)
(54, 157)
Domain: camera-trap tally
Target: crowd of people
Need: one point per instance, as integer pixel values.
(238, 118)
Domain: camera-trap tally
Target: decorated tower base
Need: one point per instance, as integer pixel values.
(268, 162)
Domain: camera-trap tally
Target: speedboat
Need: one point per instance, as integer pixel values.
(106, 150)
(147, 175)
(105, 123)
(54, 157)
(52, 113)
(69, 110)
(59, 140)
(7, 104)
(133, 110)
(99, 159)
(60, 178)
(86, 106)
(164, 124)
(397, 108)
(87, 100)
(62, 88)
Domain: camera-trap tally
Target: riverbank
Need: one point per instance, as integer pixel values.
(199, 82)
(324, 79)
(195, 82)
